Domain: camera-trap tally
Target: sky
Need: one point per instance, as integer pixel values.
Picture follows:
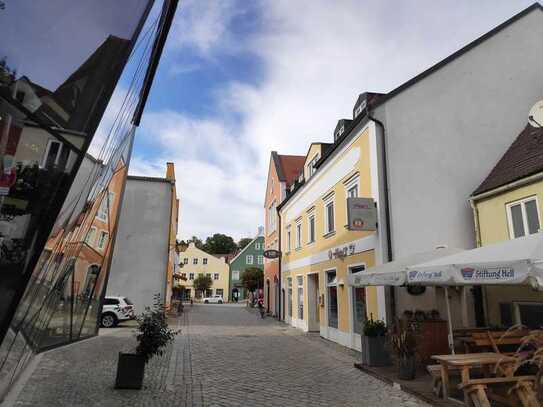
(241, 78)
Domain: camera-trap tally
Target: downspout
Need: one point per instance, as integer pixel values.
(478, 242)
(280, 297)
(389, 256)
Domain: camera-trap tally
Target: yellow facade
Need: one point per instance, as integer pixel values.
(194, 261)
(493, 224)
(337, 251)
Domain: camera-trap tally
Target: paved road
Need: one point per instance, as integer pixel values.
(225, 356)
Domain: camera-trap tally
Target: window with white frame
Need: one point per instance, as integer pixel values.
(352, 186)
(204, 260)
(359, 302)
(260, 259)
(191, 276)
(186, 260)
(257, 246)
(235, 275)
(91, 235)
(299, 235)
(208, 275)
(102, 241)
(523, 217)
(272, 215)
(331, 288)
(106, 203)
(215, 276)
(289, 239)
(311, 228)
(311, 166)
(249, 259)
(300, 281)
(329, 212)
(195, 260)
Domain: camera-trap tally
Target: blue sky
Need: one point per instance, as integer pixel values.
(241, 78)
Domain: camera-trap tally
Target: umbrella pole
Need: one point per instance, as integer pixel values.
(449, 322)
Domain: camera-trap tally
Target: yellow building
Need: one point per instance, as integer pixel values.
(507, 205)
(195, 262)
(318, 249)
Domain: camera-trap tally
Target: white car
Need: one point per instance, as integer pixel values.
(116, 309)
(216, 299)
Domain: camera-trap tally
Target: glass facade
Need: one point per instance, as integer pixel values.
(60, 63)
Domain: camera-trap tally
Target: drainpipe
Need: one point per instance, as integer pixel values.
(389, 290)
(280, 297)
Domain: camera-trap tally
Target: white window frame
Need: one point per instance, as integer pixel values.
(103, 209)
(216, 276)
(47, 148)
(350, 296)
(235, 275)
(300, 278)
(289, 239)
(204, 260)
(186, 260)
(91, 232)
(257, 246)
(249, 259)
(272, 215)
(311, 165)
(311, 215)
(522, 203)
(195, 261)
(102, 242)
(298, 234)
(327, 296)
(260, 259)
(329, 200)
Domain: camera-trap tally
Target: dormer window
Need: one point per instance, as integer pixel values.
(359, 109)
(311, 166)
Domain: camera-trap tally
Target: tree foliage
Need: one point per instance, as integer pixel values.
(243, 242)
(252, 278)
(197, 242)
(202, 283)
(220, 244)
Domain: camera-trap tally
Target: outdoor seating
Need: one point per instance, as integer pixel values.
(504, 342)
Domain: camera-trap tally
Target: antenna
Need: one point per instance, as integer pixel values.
(535, 117)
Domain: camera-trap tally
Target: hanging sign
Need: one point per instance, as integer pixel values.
(361, 214)
(272, 254)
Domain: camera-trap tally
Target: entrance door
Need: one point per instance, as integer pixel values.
(313, 302)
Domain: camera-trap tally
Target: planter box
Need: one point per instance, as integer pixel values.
(374, 352)
(130, 371)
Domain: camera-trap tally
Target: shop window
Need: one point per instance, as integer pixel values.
(300, 281)
(523, 217)
(359, 302)
(289, 297)
(331, 282)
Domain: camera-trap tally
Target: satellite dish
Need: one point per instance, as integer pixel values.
(535, 118)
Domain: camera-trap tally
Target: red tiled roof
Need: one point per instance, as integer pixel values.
(291, 166)
(523, 158)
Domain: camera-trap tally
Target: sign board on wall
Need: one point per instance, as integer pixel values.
(272, 254)
(361, 214)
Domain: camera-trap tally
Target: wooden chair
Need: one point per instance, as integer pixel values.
(521, 392)
(497, 339)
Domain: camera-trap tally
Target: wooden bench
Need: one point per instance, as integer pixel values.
(496, 339)
(522, 390)
(435, 373)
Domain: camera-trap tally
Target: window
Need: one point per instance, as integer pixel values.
(183, 275)
(311, 228)
(300, 281)
(91, 235)
(289, 297)
(55, 155)
(260, 259)
(186, 260)
(257, 246)
(208, 275)
(107, 200)
(359, 302)
(219, 291)
(111, 301)
(272, 215)
(235, 275)
(523, 217)
(102, 241)
(191, 276)
(331, 283)
(200, 275)
(298, 235)
(249, 259)
(529, 314)
(216, 276)
(329, 217)
(195, 260)
(311, 166)
(288, 240)
(352, 192)
(204, 260)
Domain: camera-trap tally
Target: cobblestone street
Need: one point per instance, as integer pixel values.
(225, 356)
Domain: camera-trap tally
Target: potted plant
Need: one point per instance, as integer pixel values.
(152, 335)
(373, 343)
(404, 344)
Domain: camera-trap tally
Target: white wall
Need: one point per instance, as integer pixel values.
(138, 269)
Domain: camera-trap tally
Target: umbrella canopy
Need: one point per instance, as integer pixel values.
(395, 272)
(517, 261)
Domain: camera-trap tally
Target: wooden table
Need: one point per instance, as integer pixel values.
(466, 362)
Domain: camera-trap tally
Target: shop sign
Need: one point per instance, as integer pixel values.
(271, 254)
(361, 214)
(495, 273)
(342, 252)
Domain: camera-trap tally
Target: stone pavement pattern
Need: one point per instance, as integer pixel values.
(225, 356)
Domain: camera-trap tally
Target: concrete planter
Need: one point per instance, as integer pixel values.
(130, 371)
(374, 352)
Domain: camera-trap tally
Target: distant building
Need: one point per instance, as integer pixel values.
(195, 262)
(144, 259)
(251, 255)
(282, 172)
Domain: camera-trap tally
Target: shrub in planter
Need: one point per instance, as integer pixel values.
(373, 344)
(153, 335)
(404, 344)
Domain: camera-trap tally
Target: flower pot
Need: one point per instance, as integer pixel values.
(407, 368)
(374, 352)
(130, 371)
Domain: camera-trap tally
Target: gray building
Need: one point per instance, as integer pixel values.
(143, 264)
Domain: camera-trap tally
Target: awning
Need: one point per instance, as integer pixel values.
(513, 262)
(395, 272)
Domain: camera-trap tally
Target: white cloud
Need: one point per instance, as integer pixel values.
(317, 56)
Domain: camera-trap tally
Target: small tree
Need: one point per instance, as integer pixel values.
(244, 242)
(202, 283)
(252, 278)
